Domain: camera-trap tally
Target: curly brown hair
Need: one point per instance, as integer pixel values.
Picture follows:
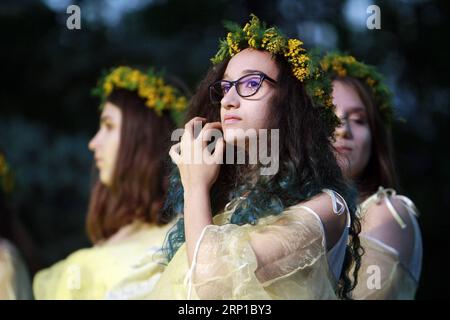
(307, 166)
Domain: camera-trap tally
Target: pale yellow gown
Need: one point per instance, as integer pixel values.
(15, 282)
(385, 273)
(225, 265)
(91, 273)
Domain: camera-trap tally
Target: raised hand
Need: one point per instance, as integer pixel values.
(198, 167)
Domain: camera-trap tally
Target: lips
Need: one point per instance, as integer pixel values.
(231, 118)
(98, 161)
(343, 149)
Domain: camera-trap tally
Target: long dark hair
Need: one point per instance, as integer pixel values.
(139, 180)
(380, 169)
(307, 165)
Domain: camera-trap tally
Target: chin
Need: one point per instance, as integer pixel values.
(240, 135)
(106, 181)
(233, 138)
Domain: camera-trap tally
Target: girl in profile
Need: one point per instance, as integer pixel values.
(124, 220)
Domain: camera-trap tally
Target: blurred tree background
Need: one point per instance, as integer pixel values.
(47, 114)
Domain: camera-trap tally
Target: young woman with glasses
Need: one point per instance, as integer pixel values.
(244, 234)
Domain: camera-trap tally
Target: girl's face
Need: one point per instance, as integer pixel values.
(353, 138)
(105, 144)
(251, 112)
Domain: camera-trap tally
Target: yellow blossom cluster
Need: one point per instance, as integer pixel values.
(304, 66)
(370, 82)
(341, 65)
(298, 59)
(271, 40)
(157, 94)
(233, 47)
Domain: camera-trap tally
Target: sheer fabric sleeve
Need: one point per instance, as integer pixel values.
(283, 257)
(392, 242)
(143, 276)
(65, 280)
(382, 276)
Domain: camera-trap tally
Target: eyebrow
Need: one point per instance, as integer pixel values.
(355, 109)
(244, 72)
(250, 71)
(104, 118)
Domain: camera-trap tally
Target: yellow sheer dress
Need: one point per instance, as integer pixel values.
(91, 273)
(390, 268)
(15, 282)
(225, 265)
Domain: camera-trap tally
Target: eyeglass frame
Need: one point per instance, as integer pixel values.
(235, 83)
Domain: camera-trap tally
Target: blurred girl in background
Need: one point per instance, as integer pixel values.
(124, 221)
(390, 234)
(14, 278)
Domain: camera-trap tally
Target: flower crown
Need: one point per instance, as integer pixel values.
(305, 67)
(149, 86)
(339, 65)
(6, 176)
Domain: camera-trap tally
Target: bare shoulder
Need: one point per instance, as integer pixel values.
(383, 214)
(334, 224)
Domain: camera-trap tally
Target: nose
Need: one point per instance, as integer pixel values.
(231, 99)
(92, 145)
(344, 130)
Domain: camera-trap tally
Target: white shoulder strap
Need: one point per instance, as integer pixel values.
(339, 204)
(386, 194)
